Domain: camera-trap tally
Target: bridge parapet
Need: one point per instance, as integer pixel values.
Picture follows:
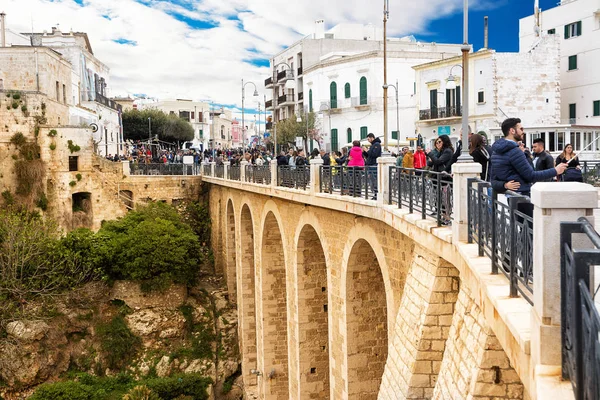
(528, 334)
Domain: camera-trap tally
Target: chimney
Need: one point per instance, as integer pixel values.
(536, 11)
(319, 29)
(2, 30)
(485, 32)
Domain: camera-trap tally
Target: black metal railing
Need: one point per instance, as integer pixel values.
(219, 171)
(206, 169)
(268, 103)
(440, 112)
(293, 177)
(163, 169)
(503, 232)
(580, 321)
(590, 171)
(300, 96)
(258, 174)
(268, 81)
(234, 172)
(281, 75)
(348, 181)
(427, 192)
(105, 101)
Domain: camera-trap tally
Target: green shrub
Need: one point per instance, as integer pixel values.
(118, 344)
(16, 96)
(63, 391)
(180, 385)
(73, 147)
(18, 139)
(72, 183)
(8, 198)
(15, 105)
(8, 94)
(78, 177)
(24, 108)
(42, 202)
(141, 393)
(52, 132)
(52, 146)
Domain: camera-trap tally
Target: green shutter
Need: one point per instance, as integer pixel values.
(347, 92)
(201, 133)
(572, 62)
(572, 111)
(578, 28)
(363, 132)
(457, 93)
(395, 135)
(310, 106)
(349, 135)
(363, 91)
(597, 108)
(334, 140)
(333, 95)
(312, 145)
(567, 32)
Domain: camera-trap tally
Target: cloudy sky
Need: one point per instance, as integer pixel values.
(201, 49)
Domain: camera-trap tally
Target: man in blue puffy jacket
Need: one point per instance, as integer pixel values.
(509, 163)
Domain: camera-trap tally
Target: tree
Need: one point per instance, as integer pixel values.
(170, 128)
(289, 129)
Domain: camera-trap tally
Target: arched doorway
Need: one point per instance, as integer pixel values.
(313, 316)
(247, 306)
(366, 322)
(231, 256)
(274, 312)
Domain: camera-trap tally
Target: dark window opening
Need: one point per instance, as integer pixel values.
(73, 163)
(82, 201)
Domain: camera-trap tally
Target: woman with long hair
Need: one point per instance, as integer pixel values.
(480, 154)
(573, 171)
(443, 160)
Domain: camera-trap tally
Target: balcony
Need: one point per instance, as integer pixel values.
(269, 104)
(360, 101)
(281, 77)
(285, 100)
(440, 112)
(269, 82)
(300, 96)
(105, 101)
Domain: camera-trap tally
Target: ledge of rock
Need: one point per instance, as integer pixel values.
(132, 295)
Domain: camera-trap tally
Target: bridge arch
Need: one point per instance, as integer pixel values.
(272, 307)
(230, 245)
(247, 295)
(312, 310)
(367, 294)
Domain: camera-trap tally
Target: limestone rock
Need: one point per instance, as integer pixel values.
(165, 322)
(133, 296)
(163, 368)
(27, 330)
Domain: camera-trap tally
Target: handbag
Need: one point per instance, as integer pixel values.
(572, 175)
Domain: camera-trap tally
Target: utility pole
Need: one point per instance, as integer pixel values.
(466, 48)
(386, 14)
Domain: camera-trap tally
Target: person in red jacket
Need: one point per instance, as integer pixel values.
(420, 158)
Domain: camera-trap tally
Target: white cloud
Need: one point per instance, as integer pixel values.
(171, 59)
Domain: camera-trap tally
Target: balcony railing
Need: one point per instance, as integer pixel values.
(580, 320)
(163, 169)
(281, 76)
(219, 171)
(206, 169)
(269, 81)
(105, 101)
(504, 233)
(299, 71)
(440, 112)
(234, 173)
(286, 98)
(349, 181)
(258, 174)
(293, 177)
(426, 192)
(300, 96)
(268, 103)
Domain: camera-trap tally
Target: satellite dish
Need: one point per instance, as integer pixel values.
(96, 135)
(94, 127)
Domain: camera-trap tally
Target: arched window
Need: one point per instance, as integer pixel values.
(333, 95)
(349, 132)
(363, 91)
(347, 90)
(310, 106)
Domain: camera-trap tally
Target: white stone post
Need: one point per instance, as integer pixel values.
(315, 181)
(553, 204)
(126, 168)
(383, 179)
(243, 171)
(226, 165)
(212, 169)
(274, 172)
(461, 172)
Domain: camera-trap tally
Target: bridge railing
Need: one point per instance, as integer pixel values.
(258, 174)
(293, 177)
(590, 171)
(348, 181)
(580, 321)
(206, 169)
(163, 169)
(219, 171)
(427, 192)
(503, 232)
(234, 172)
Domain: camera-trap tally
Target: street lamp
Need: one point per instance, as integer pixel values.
(385, 87)
(255, 94)
(386, 15)
(149, 132)
(289, 84)
(466, 48)
(328, 113)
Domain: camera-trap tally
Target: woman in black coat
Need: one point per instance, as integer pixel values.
(443, 161)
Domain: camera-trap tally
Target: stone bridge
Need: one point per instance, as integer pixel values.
(348, 298)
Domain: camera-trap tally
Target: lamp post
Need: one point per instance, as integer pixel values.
(289, 78)
(299, 119)
(386, 15)
(465, 49)
(255, 94)
(149, 132)
(385, 87)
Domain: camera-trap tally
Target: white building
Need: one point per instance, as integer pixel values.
(339, 73)
(89, 101)
(524, 85)
(576, 24)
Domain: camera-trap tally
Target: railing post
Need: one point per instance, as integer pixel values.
(315, 176)
(383, 175)
(212, 169)
(126, 168)
(226, 166)
(460, 173)
(274, 172)
(553, 203)
(243, 165)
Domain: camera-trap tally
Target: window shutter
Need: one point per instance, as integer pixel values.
(347, 90)
(334, 140)
(567, 32)
(310, 104)
(363, 91)
(363, 132)
(458, 103)
(578, 28)
(395, 135)
(333, 95)
(572, 111)
(349, 135)
(597, 108)
(572, 62)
